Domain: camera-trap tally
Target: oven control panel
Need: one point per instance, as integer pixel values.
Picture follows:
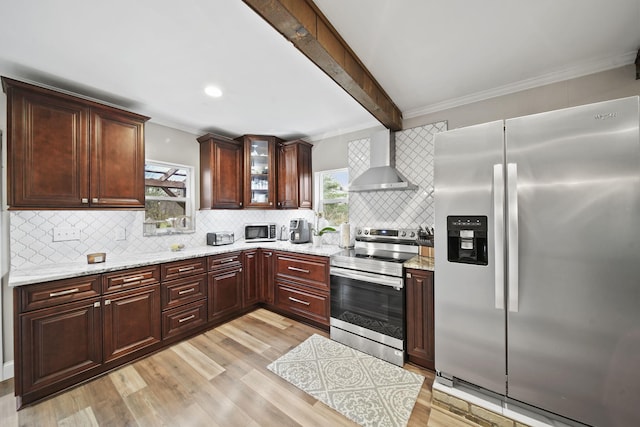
(368, 234)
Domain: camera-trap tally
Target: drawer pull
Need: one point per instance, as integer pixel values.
(65, 292)
(187, 291)
(107, 302)
(132, 279)
(183, 269)
(187, 318)
(223, 261)
(96, 304)
(299, 301)
(301, 270)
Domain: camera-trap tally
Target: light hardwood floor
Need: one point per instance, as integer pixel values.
(218, 378)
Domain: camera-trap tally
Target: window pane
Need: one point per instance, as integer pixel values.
(334, 184)
(336, 213)
(159, 210)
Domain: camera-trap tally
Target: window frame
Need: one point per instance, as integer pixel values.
(320, 201)
(188, 199)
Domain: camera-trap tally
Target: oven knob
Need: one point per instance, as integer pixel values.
(359, 231)
(404, 233)
(366, 231)
(413, 234)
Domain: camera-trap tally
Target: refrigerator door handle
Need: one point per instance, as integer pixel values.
(512, 260)
(498, 234)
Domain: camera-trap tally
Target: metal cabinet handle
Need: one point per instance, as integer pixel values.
(187, 318)
(301, 270)
(183, 269)
(299, 301)
(187, 291)
(107, 302)
(65, 292)
(132, 279)
(96, 304)
(84, 200)
(223, 261)
(94, 200)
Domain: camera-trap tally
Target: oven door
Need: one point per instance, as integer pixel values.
(368, 305)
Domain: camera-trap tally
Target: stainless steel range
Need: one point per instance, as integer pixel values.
(368, 294)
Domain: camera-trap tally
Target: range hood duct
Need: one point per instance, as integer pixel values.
(382, 174)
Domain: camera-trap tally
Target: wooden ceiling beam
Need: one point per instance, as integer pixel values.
(302, 23)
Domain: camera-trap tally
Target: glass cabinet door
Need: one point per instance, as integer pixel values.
(259, 171)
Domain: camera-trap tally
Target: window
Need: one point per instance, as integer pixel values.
(333, 197)
(168, 199)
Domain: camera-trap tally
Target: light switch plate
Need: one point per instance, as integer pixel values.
(63, 234)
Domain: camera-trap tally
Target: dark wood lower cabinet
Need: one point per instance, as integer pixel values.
(131, 321)
(420, 332)
(70, 330)
(251, 286)
(57, 343)
(225, 293)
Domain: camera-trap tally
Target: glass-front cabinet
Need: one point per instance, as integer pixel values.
(259, 170)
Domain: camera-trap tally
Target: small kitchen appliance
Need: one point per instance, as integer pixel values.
(218, 238)
(368, 294)
(299, 230)
(260, 232)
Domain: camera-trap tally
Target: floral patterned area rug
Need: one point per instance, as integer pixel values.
(363, 388)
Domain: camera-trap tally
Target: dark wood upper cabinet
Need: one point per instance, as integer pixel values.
(67, 152)
(221, 166)
(294, 175)
(259, 171)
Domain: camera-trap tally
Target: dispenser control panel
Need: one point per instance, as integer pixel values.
(467, 239)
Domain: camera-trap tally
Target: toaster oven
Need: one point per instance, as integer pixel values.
(219, 238)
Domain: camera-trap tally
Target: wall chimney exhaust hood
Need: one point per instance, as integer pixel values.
(382, 174)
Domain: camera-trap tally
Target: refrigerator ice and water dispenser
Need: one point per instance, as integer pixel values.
(467, 239)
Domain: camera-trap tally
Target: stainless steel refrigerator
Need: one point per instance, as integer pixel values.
(537, 256)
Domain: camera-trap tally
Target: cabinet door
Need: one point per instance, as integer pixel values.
(294, 175)
(225, 293)
(266, 273)
(221, 166)
(131, 321)
(251, 287)
(420, 333)
(117, 160)
(48, 153)
(259, 171)
(59, 342)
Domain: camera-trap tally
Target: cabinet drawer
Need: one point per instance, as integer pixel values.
(224, 261)
(307, 269)
(58, 292)
(177, 269)
(185, 318)
(313, 306)
(182, 291)
(134, 277)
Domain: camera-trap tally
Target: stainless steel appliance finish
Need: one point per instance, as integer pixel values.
(382, 174)
(552, 320)
(260, 232)
(368, 295)
(218, 238)
(299, 230)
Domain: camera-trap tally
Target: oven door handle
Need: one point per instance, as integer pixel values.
(394, 282)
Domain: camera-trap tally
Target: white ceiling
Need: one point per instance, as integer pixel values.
(156, 56)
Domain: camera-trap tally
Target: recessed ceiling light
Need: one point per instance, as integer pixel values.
(213, 91)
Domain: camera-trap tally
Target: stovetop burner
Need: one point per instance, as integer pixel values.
(380, 251)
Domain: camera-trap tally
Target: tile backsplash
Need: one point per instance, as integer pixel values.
(397, 208)
(31, 232)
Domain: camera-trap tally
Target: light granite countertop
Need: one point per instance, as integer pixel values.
(421, 263)
(46, 273)
(49, 272)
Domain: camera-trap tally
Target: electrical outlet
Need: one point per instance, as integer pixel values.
(120, 233)
(63, 234)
